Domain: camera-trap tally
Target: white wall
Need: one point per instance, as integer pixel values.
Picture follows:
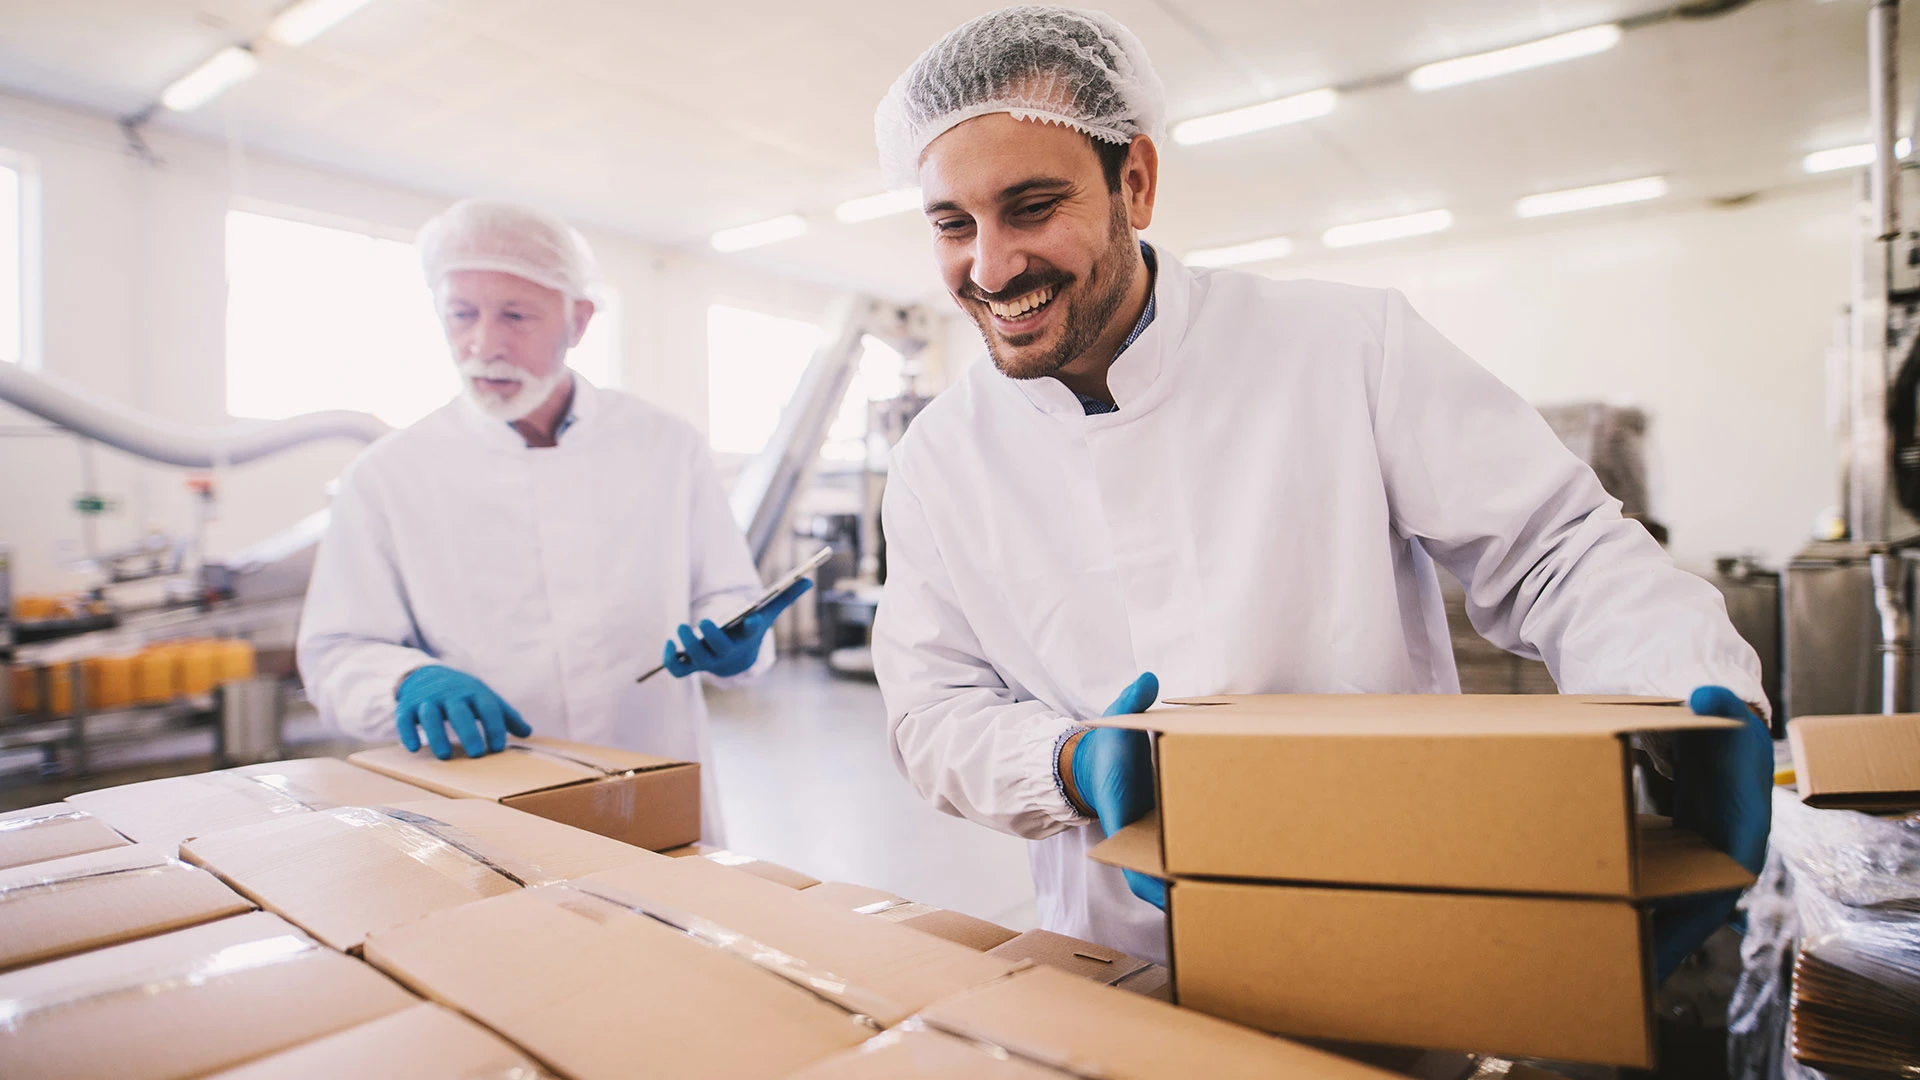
(1714, 320)
(134, 308)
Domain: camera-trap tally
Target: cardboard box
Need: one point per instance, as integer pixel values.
(164, 812)
(53, 831)
(184, 1003)
(344, 873)
(922, 1054)
(752, 864)
(1567, 978)
(64, 906)
(424, 1042)
(976, 934)
(1108, 967)
(1869, 763)
(646, 801)
(1525, 793)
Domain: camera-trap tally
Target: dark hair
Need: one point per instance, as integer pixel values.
(1113, 160)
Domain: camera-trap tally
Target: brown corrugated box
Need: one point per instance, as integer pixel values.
(650, 802)
(1108, 967)
(166, 811)
(751, 864)
(64, 906)
(424, 1042)
(681, 967)
(977, 934)
(1869, 763)
(1493, 793)
(184, 1003)
(921, 1054)
(344, 873)
(53, 831)
(1567, 978)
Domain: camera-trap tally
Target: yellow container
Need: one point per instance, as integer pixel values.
(233, 660)
(32, 607)
(193, 668)
(26, 688)
(153, 675)
(109, 681)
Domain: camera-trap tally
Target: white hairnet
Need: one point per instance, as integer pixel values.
(489, 234)
(1078, 68)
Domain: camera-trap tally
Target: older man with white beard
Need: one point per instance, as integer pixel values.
(508, 563)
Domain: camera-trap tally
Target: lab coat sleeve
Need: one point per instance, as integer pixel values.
(357, 636)
(723, 574)
(1551, 569)
(962, 737)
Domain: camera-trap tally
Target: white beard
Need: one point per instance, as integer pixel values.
(533, 392)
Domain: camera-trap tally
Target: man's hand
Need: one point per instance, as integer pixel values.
(433, 697)
(1722, 790)
(720, 652)
(1109, 772)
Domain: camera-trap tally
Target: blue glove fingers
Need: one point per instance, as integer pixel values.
(1136, 698)
(718, 641)
(409, 728)
(466, 726)
(697, 650)
(765, 617)
(677, 667)
(493, 721)
(1682, 926)
(1150, 889)
(433, 722)
(515, 725)
(1723, 780)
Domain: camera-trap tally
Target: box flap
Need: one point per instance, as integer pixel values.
(919, 1054)
(424, 1042)
(52, 831)
(176, 808)
(63, 906)
(1105, 966)
(596, 992)
(846, 895)
(1676, 862)
(1428, 715)
(760, 868)
(1051, 1018)
(184, 1003)
(1136, 848)
(888, 972)
(947, 925)
(344, 873)
(527, 765)
(1857, 762)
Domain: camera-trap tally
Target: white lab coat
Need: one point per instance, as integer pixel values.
(1261, 515)
(554, 575)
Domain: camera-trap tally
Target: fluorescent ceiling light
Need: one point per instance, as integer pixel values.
(1393, 228)
(885, 204)
(308, 19)
(1466, 69)
(1276, 247)
(770, 231)
(1849, 157)
(1271, 114)
(1589, 198)
(208, 81)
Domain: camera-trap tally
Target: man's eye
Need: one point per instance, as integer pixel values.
(1038, 209)
(951, 225)
(516, 316)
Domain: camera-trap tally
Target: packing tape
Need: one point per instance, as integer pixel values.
(865, 1005)
(15, 824)
(61, 882)
(277, 792)
(555, 755)
(232, 960)
(896, 910)
(994, 1049)
(445, 848)
(517, 1071)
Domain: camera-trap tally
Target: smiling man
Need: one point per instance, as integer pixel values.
(507, 564)
(1235, 484)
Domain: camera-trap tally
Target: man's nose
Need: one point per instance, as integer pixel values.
(997, 260)
(487, 338)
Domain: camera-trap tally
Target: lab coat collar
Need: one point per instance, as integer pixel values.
(1136, 377)
(500, 435)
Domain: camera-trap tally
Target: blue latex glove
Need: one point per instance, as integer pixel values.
(1113, 773)
(1722, 790)
(728, 652)
(433, 697)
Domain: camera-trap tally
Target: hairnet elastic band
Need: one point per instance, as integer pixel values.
(61, 882)
(16, 824)
(232, 960)
(506, 266)
(865, 1006)
(446, 849)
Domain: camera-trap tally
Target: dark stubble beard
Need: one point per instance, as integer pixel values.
(1088, 311)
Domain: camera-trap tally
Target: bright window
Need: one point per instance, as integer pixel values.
(329, 318)
(879, 378)
(754, 362)
(12, 265)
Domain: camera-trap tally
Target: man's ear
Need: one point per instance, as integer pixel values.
(1140, 181)
(578, 317)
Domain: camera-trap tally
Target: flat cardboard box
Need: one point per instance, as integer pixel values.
(1869, 763)
(751, 864)
(594, 991)
(1050, 1018)
(976, 934)
(344, 873)
(423, 1042)
(1495, 793)
(922, 1054)
(167, 811)
(650, 802)
(1566, 978)
(1108, 967)
(53, 831)
(64, 906)
(184, 1003)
